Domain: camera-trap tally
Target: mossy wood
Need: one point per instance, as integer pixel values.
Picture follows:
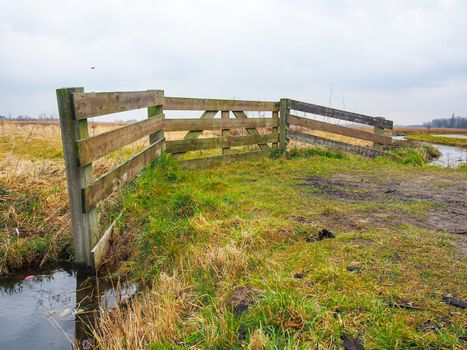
(251, 131)
(202, 104)
(95, 147)
(340, 130)
(205, 162)
(178, 146)
(321, 141)
(339, 114)
(93, 104)
(215, 124)
(109, 182)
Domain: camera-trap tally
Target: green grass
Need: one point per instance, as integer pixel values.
(441, 140)
(245, 224)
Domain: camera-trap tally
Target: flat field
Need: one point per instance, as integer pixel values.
(308, 249)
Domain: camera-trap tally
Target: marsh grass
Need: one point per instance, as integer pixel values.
(35, 219)
(441, 140)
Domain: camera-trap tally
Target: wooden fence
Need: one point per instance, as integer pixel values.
(378, 137)
(81, 150)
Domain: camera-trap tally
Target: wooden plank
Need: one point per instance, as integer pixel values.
(215, 124)
(284, 112)
(202, 104)
(194, 134)
(218, 142)
(225, 132)
(363, 151)
(93, 104)
(251, 131)
(107, 183)
(101, 248)
(339, 114)
(98, 146)
(202, 163)
(154, 111)
(70, 132)
(338, 129)
(275, 129)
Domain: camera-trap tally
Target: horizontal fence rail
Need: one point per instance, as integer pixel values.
(228, 119)
(214, 124)
(340, 130)
(93, 104)
(179, 146)
(98, 146)
(200, 104)
(339, 114)
(108, 183)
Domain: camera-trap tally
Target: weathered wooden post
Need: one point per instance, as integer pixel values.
(379, 131)
(283, 125)
(275, 130)
(155, 111)
(225, 132)
(84, 224)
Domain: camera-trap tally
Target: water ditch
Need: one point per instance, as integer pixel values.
(52, 307)
(450, 156)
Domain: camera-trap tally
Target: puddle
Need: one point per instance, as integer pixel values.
(51, 308)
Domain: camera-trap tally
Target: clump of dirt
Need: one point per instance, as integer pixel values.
(241, 298)
(448, 195)
(323, 234)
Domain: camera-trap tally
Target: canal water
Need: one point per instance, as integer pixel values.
(52, 308)
(450, 156)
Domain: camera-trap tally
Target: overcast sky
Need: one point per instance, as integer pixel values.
(405, 60)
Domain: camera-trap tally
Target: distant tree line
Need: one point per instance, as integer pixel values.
(455, 122)
(42, 116)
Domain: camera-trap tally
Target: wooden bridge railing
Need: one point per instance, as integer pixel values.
(81, 150)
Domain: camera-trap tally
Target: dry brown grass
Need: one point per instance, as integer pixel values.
(403, 130)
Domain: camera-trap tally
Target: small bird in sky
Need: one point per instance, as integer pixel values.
(93, 67)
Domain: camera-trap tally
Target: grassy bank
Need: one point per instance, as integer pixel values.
(35, 218)
(231, 256)
(441, 140)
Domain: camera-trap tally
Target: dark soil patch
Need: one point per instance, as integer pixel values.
(449, 197)
(241, 298)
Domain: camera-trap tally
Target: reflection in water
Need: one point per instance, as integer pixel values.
(52, 308)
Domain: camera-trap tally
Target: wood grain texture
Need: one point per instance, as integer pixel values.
(338, 129)
(225, 131)
(215, 124)
(101, 248)
(251, 131)
(218, 142)
(202, 163)
(202, 104)
(194, 134)
(109, 182)
(70, 133)
(284, 112)
(93, 104)
(339, 114)
(275, 129)
(320, 141)
(98, 146)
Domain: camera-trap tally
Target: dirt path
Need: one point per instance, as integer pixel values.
(447, 197)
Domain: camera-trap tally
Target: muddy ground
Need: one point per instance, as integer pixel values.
(447, 200)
